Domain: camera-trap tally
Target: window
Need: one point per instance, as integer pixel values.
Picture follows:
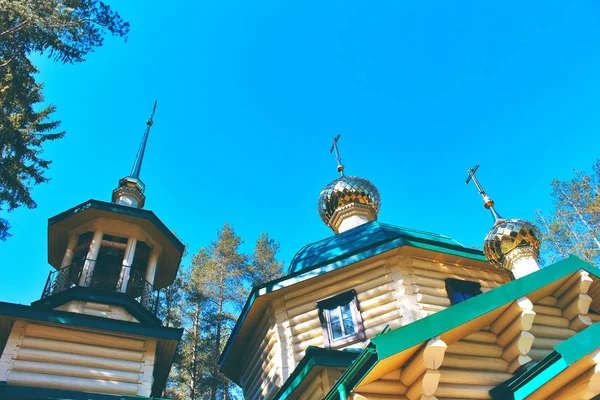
(341, 320)
(459, 291)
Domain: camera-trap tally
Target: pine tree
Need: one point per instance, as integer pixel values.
(573, 225)
(64, 30)
(264, 266)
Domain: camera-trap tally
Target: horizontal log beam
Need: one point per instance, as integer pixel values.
(474, 362)
(470, 377)
(523, 322)
(517, 363)
(383, 387)
(579, 306)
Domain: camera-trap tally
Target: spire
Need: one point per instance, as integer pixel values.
(131, 188)
(487, 201)
(340, 167)
(137, 165)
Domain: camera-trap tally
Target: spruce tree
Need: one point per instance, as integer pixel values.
(264, 266)
(65, 31)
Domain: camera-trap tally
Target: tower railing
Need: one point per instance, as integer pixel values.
(135, 286)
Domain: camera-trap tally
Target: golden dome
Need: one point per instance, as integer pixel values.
(348, 190)
(507, 235)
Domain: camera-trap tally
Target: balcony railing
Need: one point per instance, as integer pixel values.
(136, 286)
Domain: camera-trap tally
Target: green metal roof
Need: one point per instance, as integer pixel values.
(367, 240)
(403, 338)
(564, 354)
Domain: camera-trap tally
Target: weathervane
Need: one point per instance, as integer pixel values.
(340, 167)
(487, 201)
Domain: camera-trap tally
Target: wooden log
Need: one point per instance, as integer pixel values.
(435, 300)
(548, 320)
(317, 341)
(376, 301)
(392, 315)
(509, 315)
(377, 311)
(579, 305)
(459, 271)
(520, 346)
(393, 324)
(383, 387)
(482, 337)
(585, 386)
(345, 281)
(430, 282)
(547, 301)
(475, 349)
(301, 337)
(440, 292)
(470, 377)
(71, 383)
(430, 356)
(392, 376)
(374, 292)
(517, 363)
(306, 316)
(545, 343)
(547, 310)
(484, 281)
(581, 286)
(551, 332)
(72, 335)
(580, 322)
(431, 307)
(305, 326)
(78, 348)
(538, 354)
(594, 317)
(474, 362)
(358, 396)
(425, 385)
(570, 281)
(522, 322)
(77, 359)
(447, 390)
(76, 371)
(316, 383)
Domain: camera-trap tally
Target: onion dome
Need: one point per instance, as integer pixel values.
(507, 235)
(345, 192)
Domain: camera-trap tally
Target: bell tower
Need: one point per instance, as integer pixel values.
(96, 328)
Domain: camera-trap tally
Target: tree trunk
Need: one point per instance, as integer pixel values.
(583, 221)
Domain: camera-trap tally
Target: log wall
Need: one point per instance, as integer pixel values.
(261, 364)
(68, 359)
(97, 310)
(319, 386)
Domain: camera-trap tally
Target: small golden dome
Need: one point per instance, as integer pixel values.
(348, 190)
(507, 235)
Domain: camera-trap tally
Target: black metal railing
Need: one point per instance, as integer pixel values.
(120, 279)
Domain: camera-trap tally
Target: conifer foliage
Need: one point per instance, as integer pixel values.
(573, 225)
(214, 290)
(65, 31)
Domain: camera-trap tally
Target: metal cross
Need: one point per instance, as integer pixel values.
(487, 201)
(471, 172)
(340, 167)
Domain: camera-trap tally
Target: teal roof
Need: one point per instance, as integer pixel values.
(368, 240)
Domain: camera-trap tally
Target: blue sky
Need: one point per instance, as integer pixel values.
(250, 95)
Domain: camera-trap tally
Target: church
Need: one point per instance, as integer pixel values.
(378, 312)
(373, 312)
(95, 333)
